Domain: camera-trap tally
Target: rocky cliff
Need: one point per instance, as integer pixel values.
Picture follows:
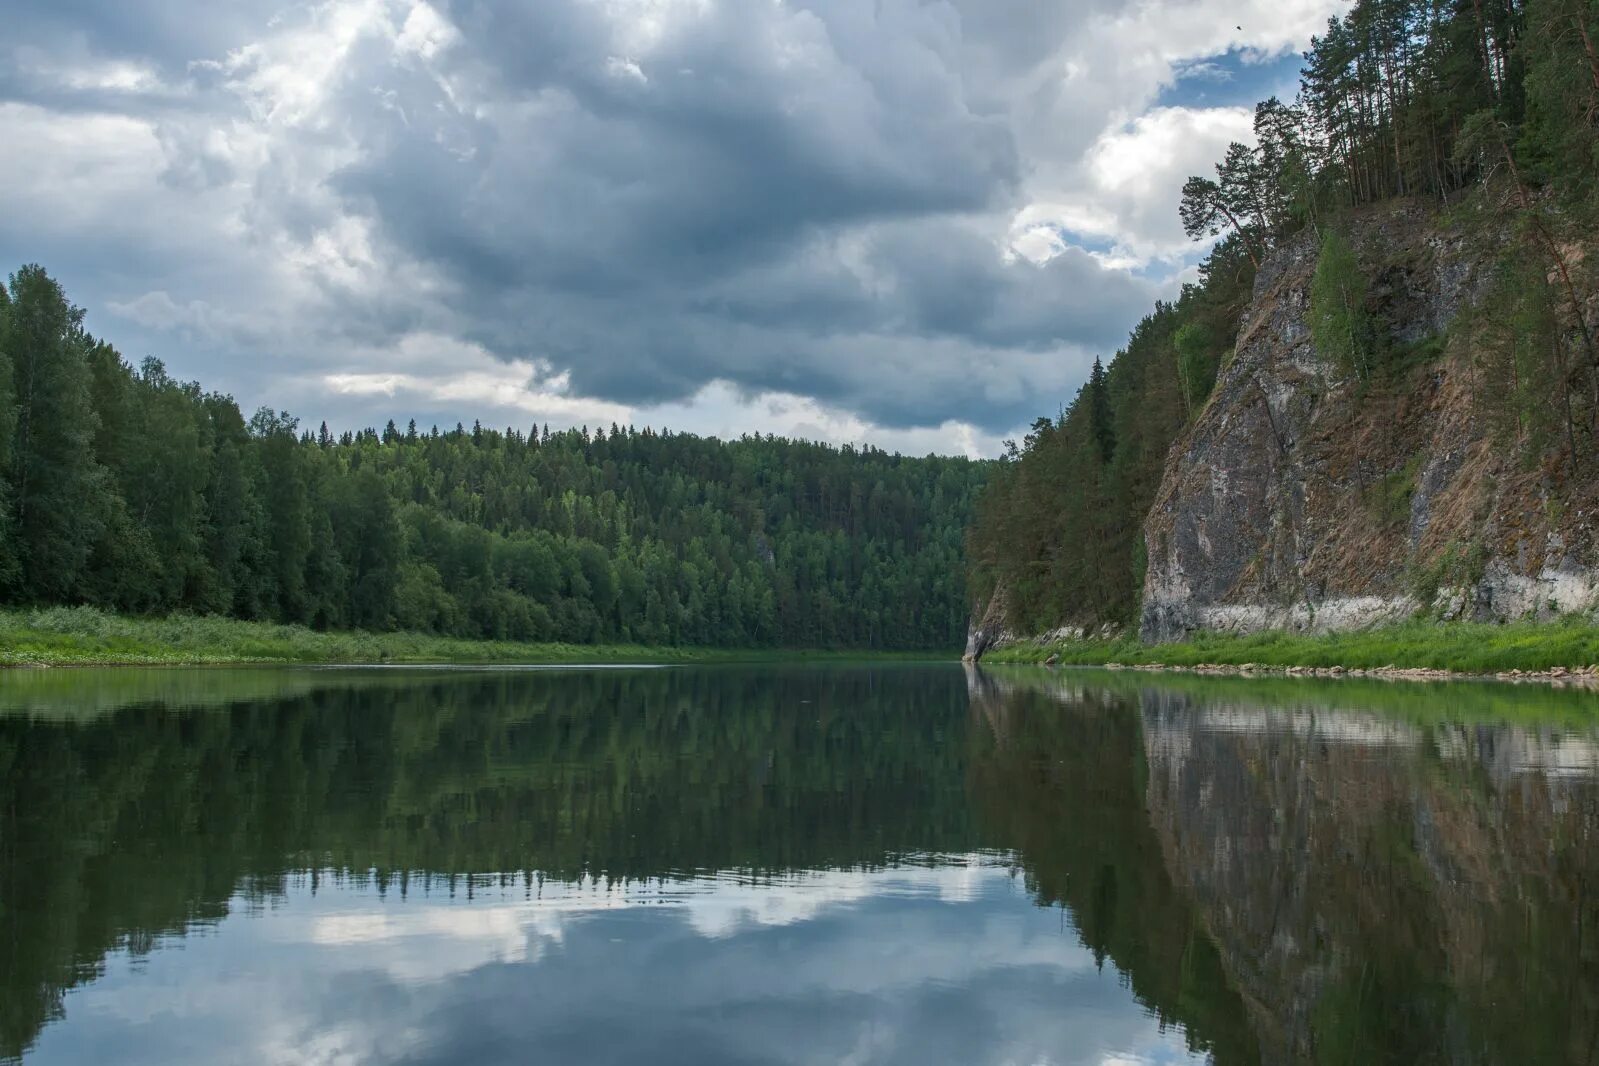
(1307, 497)
(1302, 499)
(988, 628)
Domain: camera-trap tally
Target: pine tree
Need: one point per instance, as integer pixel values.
(1101, 426)
(10, 562)
(59, 491)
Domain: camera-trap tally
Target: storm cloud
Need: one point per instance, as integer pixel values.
(916, 222)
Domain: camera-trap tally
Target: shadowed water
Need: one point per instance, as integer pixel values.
(797, 864)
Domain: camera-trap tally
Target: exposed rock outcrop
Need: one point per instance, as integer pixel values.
(988, 628)
(1299, 500)
(991, 628)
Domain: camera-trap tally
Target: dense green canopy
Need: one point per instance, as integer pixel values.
(128, 489)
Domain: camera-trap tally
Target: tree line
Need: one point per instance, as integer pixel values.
(1486, 105)
(125, 488)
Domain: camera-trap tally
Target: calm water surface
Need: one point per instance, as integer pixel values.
(793, 865)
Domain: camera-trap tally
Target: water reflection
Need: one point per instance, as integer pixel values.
(1385, 876)
(895, 864)
(869, 966)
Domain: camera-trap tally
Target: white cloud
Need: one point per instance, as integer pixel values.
(442, 374)
(1108, 163)
(738, 217)
(71, 173)
(425, 32)
(1132, 179)
(721, 410)
(158, 311)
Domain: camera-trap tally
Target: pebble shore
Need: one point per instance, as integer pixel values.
(1584, 676)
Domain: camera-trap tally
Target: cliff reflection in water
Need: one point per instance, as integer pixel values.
(1246, 870)
(1385, 873)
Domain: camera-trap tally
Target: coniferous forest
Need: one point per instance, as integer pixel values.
(127, 489)
(1487, 110)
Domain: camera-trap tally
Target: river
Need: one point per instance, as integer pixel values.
(793, 864)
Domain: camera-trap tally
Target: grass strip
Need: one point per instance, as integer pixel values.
(88, 636)
(1463, 647)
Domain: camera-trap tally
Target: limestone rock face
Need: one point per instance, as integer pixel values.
(1299, 500)
(988, 628)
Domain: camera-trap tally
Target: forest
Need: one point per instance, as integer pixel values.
(127, 489)
(1491, 106)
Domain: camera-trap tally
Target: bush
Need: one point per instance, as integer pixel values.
(1340, 326)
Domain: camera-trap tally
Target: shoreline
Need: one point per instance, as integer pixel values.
(1561, 652)
(85, 637)
(605, 658)
(657, 658)
(1559, 676)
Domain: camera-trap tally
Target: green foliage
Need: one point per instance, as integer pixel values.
(1466, 647)
(1198, 360)
(126, 489)
(89, 636)
(1399, 98)
(1423, 351)
(1458, 566)
(1059, 527)
(56, 488)
(1339, 323)
(10, 565)
(1559, 140)
(1388, 499)
(1523, 362)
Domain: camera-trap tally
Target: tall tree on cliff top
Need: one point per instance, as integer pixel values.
(1212, 207)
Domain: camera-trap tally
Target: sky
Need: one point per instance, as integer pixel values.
(912, 223)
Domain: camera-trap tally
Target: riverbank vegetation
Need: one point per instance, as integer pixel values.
(132, 491)
(1462, 647)
(1486, 112)
(87, 636)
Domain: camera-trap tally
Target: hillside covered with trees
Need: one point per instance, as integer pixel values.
(1485, 114)
(127, 489)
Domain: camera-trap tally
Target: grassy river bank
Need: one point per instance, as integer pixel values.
(1570, 644)
(87, 636)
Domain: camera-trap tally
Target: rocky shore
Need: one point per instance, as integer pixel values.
(1584, 676)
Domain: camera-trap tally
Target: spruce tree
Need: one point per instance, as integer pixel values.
(59, 490)
(10, 563)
